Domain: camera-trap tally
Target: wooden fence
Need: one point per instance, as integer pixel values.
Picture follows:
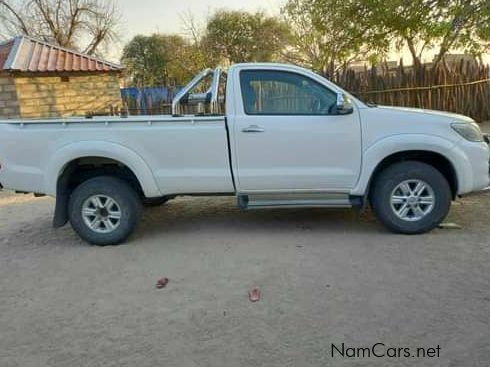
(463, 88)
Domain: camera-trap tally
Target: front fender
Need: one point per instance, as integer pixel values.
(385, 147)
(117, 152)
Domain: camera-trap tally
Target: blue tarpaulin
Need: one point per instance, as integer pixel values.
(146, 99)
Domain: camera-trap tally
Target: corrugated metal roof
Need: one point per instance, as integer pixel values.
(25, 54)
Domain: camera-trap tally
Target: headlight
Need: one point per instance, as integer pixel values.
(470, 132)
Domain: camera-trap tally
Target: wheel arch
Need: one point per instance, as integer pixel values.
(436, 160)
(432, 150)
(101, 150)
(76, 163)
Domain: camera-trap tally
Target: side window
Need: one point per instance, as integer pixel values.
(268, 92)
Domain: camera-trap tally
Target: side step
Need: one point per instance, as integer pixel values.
(322, 200)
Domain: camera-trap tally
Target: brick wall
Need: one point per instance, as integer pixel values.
(9, 106)
(73, 95)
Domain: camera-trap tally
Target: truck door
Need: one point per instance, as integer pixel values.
(287, 135)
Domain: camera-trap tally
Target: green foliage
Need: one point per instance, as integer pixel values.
(324, 35)
(465, 25)
(161, 60)
(238, 36)
(329, 33)
(441, 25)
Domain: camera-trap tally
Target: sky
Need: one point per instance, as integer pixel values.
(166, 16)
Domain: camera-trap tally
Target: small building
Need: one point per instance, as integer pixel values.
(456, 59)
(40, 80)
(360, 67)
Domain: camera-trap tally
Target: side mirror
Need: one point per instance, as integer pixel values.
(344, 104)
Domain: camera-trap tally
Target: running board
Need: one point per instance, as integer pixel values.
(273, 201)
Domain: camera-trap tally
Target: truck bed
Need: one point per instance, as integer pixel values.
(111, 119)
(169, 152)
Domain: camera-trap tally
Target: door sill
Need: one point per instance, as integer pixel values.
(316, 200)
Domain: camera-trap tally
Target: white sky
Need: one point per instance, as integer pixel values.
(165, 16)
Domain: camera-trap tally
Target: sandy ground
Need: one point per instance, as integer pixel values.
(327, 276)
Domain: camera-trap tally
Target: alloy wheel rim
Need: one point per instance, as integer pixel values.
(412, 200)
(101, 213)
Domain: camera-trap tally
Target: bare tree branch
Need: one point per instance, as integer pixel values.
(80, 24)
(16, 15)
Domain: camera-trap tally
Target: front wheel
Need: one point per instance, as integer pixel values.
(104, 210)
(410, 197)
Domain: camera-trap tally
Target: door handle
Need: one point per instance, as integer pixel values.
(253, 129)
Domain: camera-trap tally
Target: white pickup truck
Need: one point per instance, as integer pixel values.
(273, 135)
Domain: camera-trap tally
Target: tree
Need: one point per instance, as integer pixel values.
(238, 36)
(328, 34)
(440, 25)
(403, 23)
(466, 26)
(84, 25)
(161, 60)
(198, 56)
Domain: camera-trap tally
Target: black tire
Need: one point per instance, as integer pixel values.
(391, 177)
(153, 202)
(128, 207)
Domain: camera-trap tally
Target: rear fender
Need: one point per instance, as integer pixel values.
(57, 176)
(113, 151)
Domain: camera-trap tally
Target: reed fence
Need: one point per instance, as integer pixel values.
(461, 88)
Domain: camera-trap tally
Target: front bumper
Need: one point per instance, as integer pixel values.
(486, 137)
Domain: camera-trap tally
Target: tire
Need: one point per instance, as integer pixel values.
(154, 202)
(112, 225)
(410, 211)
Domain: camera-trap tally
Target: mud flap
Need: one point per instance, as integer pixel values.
(61, 211)
(62, 198)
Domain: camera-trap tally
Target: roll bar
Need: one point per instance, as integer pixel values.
(210, 96)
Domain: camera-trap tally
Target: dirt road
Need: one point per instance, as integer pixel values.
(326, 276)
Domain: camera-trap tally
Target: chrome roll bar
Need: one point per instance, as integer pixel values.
(211, 95)
(214, 103)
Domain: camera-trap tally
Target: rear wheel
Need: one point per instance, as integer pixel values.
(410, 197)
(104, 210)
